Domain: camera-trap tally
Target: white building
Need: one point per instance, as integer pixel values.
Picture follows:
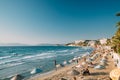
(71, 45)
(103, 41)
(91, 43)
(78, 41)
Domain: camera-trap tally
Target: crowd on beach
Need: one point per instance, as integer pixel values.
(98, 65)
(94, 66)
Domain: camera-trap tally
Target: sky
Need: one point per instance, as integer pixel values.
(57, 21)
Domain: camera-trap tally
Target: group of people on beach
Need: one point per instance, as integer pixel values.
(99, 54)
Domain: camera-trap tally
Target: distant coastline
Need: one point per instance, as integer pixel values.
(20, 44)
(92, 43)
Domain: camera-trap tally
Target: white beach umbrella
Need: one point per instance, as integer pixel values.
(83, 63)
(89, 60)
(92, 58)
(79, 66)
(99, 67)
(103, 60)
(103, 63)
(35, 70)
(70, 61)
(59, 65)
(74, 58)
(79, 57)
(65, 63)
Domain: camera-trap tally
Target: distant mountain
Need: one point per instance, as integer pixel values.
(47, 44)
(20, 44)
(13, 44)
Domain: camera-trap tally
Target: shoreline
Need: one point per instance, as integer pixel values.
(51, 73)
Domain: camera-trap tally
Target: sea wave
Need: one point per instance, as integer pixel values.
(61, 51)
(9, 61)
(4, 57)
(28, 57)
(10, 65)
(38, 56)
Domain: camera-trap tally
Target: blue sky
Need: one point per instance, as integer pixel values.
(56, 21)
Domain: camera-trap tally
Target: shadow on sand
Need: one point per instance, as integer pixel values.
(99, 73)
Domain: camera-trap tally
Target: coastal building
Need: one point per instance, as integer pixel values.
(71, 45)
(79, 41)
(91, 43)
(103, 41)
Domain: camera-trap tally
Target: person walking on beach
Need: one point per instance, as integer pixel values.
(55, 63)
(77, 61)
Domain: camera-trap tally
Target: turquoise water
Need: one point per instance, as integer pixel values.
(23, 59)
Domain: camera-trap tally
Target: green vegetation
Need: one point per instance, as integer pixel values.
(116, 38)
(118, 14)
(108, 42)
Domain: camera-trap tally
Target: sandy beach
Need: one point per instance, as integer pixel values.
(64, 73)
(59, 39)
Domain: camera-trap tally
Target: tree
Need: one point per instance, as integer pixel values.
(108, 41)
(118, 24)
(116, 37)
(118, 14)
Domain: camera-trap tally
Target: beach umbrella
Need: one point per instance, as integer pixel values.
(83, 63)
(92, 58)
(17, 77)
(74, 58)
(79, 57)
(59, 65)
(89, 60)
(99, 67)
(79, 66)
(103, 60)
(96, 55)
(65, 63)
(70, 61)
(90, 65)
(35, 71)
(103, 63)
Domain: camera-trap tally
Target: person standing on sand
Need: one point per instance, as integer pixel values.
(77, 61)
(55, 63)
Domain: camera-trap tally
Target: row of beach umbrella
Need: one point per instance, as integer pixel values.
(103, 62)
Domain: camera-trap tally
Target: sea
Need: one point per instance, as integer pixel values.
(23, 59)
